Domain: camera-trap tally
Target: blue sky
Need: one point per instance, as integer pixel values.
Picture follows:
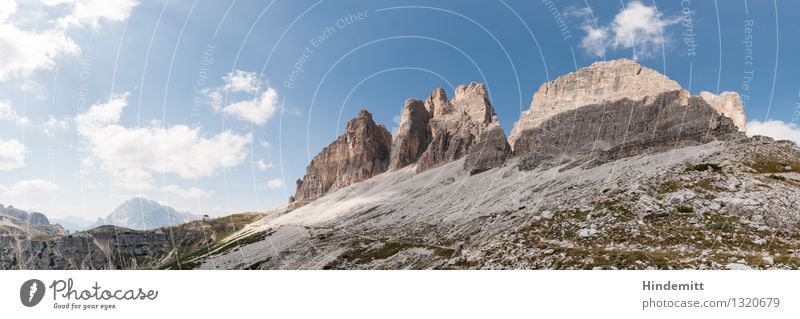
(217, 106)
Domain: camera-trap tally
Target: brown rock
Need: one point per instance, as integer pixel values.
(361, 152)
(412, 137)
(456, 125)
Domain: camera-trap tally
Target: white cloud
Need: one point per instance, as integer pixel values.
(241, 81)
(638, 26)
(258, 110)
(27, 51)
(214, 98)
(54, 125)
(92, 12)
(7, 8)
(275, 183)
(264, 143)
(191, 192)
(776, 129)
(130, 155)
(28, 186)
(595, 41)
(12, 154)
(7, 113)
(263, 165)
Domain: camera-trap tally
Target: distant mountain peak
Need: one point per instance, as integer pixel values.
(143, 213)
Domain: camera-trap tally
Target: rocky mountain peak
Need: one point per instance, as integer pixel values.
(438, 104)
(363, 113)
(455, 125)
(412, 136)
(601, 82)
(361, 152)
(474, 100)
(613, 109)
(143, 213)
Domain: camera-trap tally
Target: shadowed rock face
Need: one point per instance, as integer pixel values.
(624, 128)
(604, 81)
(456, 125)
(491, 151)
(413, 135)
(619, 108)
(361, 152)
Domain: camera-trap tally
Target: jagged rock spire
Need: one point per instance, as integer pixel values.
(360, 153)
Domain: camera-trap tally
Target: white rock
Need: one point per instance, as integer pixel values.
(587, 232)
(680, 197)
(737, 266)
(728, 104)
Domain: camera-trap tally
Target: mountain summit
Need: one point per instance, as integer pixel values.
(142, 213)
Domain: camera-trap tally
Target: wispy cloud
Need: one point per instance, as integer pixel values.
(28, 186)
(276, 183)
(7, 113)
(189, 193)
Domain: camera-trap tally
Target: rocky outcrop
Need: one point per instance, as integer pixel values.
(615, 109)
(361, 152)
(491, 151)
(112, 247)
(728, 104)
(19, 223)
(604, 81)
(456, 125)
(412, 137)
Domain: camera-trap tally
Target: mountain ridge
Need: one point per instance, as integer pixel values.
(141, 213)
(648, 177)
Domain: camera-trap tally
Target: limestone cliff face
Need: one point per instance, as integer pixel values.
(361, 152)
(413, 136)
(455, 125)
(601, 82)
(491, 151)
(619, 108)
(728, 104)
